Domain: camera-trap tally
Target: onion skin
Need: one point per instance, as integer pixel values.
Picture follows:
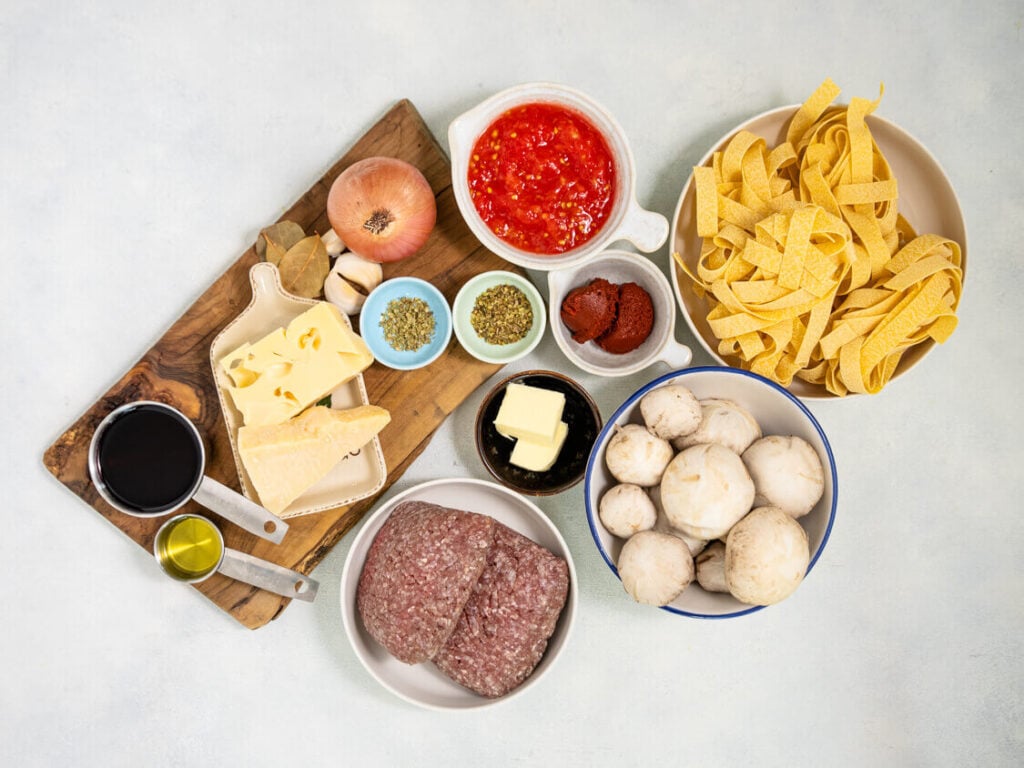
(382, 208)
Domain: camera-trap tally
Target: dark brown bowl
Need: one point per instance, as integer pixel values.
(582, 416)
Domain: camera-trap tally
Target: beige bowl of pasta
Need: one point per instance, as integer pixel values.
(830, 266)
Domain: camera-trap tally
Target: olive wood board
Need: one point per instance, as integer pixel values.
(176, 370)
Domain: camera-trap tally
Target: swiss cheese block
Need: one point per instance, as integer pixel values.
(530, 412)
(539, 457)
(291, 368)
(284, 460)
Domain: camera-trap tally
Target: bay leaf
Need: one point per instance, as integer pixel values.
(304, 267)
(274, 241)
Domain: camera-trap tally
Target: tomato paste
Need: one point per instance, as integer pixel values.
(633, 324)
(589, 310)
(618, 318)
(542, 178)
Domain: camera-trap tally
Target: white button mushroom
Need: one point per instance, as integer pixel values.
(766, 557)
(723, 422)
(710, 565)
(787, 473)
(636, 456)
(705, 490)
(626, 509)
(670, 411)
(664, 526)
(655, 567)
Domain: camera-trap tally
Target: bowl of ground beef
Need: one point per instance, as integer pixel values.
(458, 594)
(615, 315)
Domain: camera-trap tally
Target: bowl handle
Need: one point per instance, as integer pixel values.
(675, 355)
(647, 230)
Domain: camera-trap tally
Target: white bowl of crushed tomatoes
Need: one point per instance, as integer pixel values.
(544, 177)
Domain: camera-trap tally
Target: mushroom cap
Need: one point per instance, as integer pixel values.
(766, 557)
(710, 566)
(655, 567)
(626, 509)
(787, 473)
(670, 411)
(705, 490)
(662, 524)
(636, 456)
(724, 422)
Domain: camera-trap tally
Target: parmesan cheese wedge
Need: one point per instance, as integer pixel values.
(284, 460)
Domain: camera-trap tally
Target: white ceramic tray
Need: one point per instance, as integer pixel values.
(356, 476)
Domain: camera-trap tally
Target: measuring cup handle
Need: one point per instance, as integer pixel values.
(269, 576)
(233, 506)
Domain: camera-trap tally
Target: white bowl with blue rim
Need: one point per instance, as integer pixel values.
(777, 412)
(376, 306)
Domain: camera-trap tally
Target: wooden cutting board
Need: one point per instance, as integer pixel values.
(177, 371)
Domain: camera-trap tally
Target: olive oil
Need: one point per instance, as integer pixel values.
(189, 547)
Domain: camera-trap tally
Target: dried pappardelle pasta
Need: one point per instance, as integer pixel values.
(807, 266)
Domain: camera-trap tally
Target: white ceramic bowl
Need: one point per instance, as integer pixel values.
(423, 684)
(647, 230)
(618, 267)
(778, 412)
(927, 200)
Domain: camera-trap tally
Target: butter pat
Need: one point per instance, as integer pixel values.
(291, 368)
(539, 457)
(531, 413)
(284, 460)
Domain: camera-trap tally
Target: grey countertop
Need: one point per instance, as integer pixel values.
(144, 145)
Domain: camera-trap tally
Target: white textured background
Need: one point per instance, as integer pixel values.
(142, 146)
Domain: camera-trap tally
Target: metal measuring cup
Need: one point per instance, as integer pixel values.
(190, 549)
(189, 462)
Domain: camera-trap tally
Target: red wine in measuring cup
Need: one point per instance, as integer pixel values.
(150, 459)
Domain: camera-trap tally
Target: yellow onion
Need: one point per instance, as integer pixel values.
(382, 208)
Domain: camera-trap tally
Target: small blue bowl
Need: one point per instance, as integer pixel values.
(377, 304)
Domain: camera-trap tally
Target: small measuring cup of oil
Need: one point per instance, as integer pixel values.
(190, 548)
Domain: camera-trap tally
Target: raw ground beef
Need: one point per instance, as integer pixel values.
(419, 573)
(505, 626)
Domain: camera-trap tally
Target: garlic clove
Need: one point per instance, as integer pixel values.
(367, 275)
(332, 242)
(342, 294)
(350, 281)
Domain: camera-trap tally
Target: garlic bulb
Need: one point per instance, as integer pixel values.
(350, 281)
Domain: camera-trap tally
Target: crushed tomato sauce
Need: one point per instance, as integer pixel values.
(542, 178)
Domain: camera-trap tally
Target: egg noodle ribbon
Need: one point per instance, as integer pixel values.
(808, 268)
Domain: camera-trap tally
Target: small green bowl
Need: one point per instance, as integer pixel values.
(476, 346)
